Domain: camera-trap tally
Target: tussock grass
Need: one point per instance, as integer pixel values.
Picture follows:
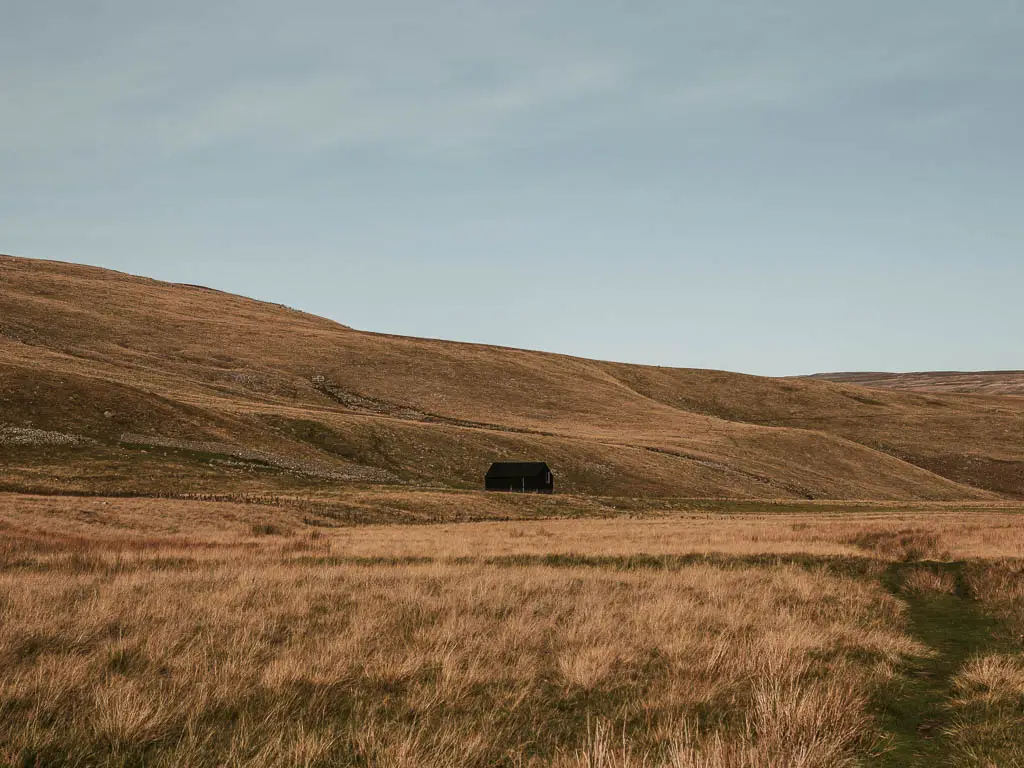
(252, 659)
(992, 678)
(1000, 585)
(987, 709)
(926, 581)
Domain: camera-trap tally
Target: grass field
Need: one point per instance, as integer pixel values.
(160, 632)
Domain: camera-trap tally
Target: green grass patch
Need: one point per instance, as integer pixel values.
(917, 713)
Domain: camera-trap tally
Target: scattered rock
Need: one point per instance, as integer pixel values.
(30, 436)
(351, 473)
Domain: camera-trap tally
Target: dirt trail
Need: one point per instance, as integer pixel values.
(955, 626)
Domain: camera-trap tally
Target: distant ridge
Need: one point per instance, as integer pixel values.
(977, 382)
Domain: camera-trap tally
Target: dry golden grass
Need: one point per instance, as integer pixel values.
(987, 703)
(925, 581)
(253, 639)
(256, 659)
(992, 678)
(941, 532)
(1000, 586)
(890, 537)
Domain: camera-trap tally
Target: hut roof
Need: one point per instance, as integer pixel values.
(518, 469)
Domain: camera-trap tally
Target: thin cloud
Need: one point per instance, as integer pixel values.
(331, 110)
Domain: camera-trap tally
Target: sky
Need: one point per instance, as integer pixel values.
(775, 188)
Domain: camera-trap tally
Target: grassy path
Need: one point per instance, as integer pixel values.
(956, 627)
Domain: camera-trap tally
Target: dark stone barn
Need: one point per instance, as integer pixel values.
(521, 476)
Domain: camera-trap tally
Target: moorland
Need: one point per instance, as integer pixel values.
(235, 534)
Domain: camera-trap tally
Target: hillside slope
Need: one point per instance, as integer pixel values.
(976, 382)
(114, 383)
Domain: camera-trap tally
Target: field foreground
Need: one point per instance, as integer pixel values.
(179, 632)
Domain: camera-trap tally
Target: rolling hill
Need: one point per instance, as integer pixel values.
(111, 383)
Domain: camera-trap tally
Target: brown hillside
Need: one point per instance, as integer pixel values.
(172, 389)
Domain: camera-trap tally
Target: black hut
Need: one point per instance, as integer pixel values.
(522, 476)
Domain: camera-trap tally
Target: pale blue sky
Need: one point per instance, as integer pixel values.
(769, 187)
